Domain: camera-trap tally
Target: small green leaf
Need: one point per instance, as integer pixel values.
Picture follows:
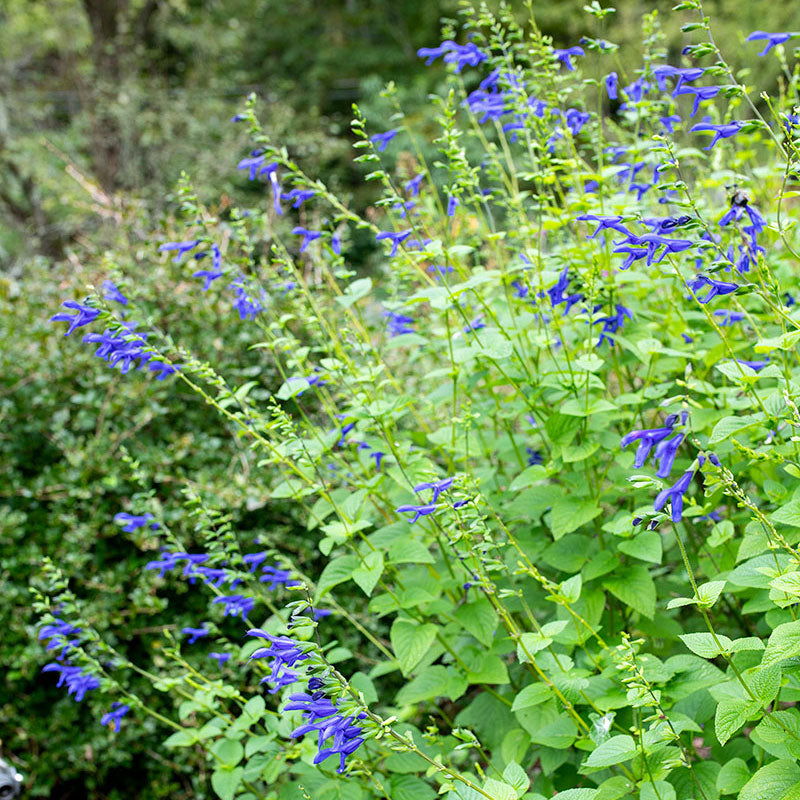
(515, 776)
(784, 642)
(634, 587)
(705, 645)
(369, 573)
(226, 782)
(410, 642)
(615, 750)
(733, 775)
(646, 547)
(772, 781)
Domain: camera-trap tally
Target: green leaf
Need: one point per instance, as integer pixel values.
(515, 776)
(788, 514)
(615, 750)
(705, 645)
(784, 642)
(764, 682)
(336, 572)
(646, 547)
(576, 794)
(229, 752)
(659, 790)
(490, 670)
(479, 619)
(733, 775)
(531, 696)
(634, 587)
(410, 642)
(409, 551)
(254, 708)
(369, 573)
(226, 782)
(528, 477)
(569, 513)
(731, 715)
(354, 292)
(431, 682)
(409, 787)
(771, 781)
(182, 739)
(730, 425)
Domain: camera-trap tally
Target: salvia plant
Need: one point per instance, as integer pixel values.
(548, 449)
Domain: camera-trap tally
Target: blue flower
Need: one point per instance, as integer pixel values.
(195, 633)
(112, 292)
(647, 438)
(715, 287)
(220, 658)
(612, 324)
(665, 454)
(256, 166)
(78, 682)
(324, 717)
(179, 247)
(556, 292)
(720, 131)
(437, 487)
(58, 636)
(458, 54)
(565, 56)
(772, 39)
(133, 522)
(236, 605)
(412, 185)
(398, 324)
(118, 711)
(418, 510)
(534, 457)
(701, 94)
(308, 236)
(605, 223)
(276, 576)
(162, 368)
(299, 196)
(396, 238)
(675, 495)
(244, 302)
(121, 347)
(475, 325)
(756, 366)
(212, 274)
(612, 84)
(285, 653)
(669, 122)
(381, 140)
(452, 203)
(84, 316)
(728, 318)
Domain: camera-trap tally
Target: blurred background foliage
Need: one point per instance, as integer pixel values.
(103, 104)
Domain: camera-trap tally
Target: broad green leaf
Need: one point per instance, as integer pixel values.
(615, 750)
(479, 619)
(569, 513)
(336, 572)
(490, 670)
(409, 551)
(532, 695)
(706, 645)
(772, 781)
(646, 547)
(634, 587)
(784, 642)
(369, 572)
(409, 787)
(576, 794)
(733, 775)
(788, 514)
(410, 642)
(514, 775)
(182, 739)
(226, 782)
(354, 292)
(731, 715)
(229, 752)
(499, 790)
(730, 425)
(660, 790)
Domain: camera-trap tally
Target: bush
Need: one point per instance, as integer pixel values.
(546, 454)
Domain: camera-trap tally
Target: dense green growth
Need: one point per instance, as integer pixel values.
(540, 628)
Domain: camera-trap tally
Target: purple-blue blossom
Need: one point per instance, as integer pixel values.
(111, 292)
(461, 55)
(564, 55)
(715, 288)
(78, 682)
(674, 494)
(236, 604)
(179, 247)
(113, 717)
(720, 131)
(84, 315)
(381, 140)
(418, 510)
(215, 272)
(395, 237)
(772, 39)
(285, 654)
(132, 522)
(195, 633)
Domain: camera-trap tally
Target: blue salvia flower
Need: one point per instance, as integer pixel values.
(564, 55)
(256, 166)
(112, 292)
(772, 39)
(520, 289)
(398, 323)
(276, 577)
(298, 196)
(728, 318)
(215, 272)
(652, 242)
(133, 522)
(612, 324)
(534, 457)
(244, 302)
(324, 717)
(84, 315)
(412, 185)
(788, 299)
(612, 85)
(664, 456)
(418, 510)
(437, 487)
(78, 682)
(720, 131)
(285, 654)
(557, 295)
(604, 223)
(220, 658)
(462, 55)
(701, 95)
(675, 494)
(714, 288)
(195, 633)
(381, 140)
(336, 244)
(669, 122)
(757, 366)
(236, 605)
(396, 238)
(123, 348)
(475, 325)
(166, 563)
(308, 236)
(117, 712)
(378, 456)
(179, 247)
(254, 559)
(648, 439)
(58, 635)
(162, 368)
(452, 203)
